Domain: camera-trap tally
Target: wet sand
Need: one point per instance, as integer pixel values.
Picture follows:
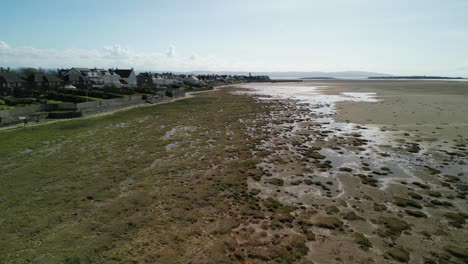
(436, 108)
(359, 162)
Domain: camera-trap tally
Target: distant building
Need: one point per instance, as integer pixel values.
(127, 77)
(76, 77)
(159, 81)
(165, 81)
(11, 84)
(91, 77)
(192, 79)
(110, 78)
(44, 81)
(145, 79)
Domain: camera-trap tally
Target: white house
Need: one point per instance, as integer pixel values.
(127, 77)
(192, 79)
(76, 76)
(110, 78)
(164, 81)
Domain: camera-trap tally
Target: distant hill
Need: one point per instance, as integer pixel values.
(417, 77)
(318, 78)
(314, 74)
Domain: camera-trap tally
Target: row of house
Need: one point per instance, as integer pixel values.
(165, 79)
(12, 83)
(99, 77)
(146, 79)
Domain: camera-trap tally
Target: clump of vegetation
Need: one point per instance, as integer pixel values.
(399, 254)
(421, 185)
(418, 214)
(432, 170)
(256, 174)
(283, 214)
(441, 203)
(295, 183)
(308, 181)
(309, 234)
(415, 196)
(362, 241)
(462, 187)
(458, 252)
(275, 181)
(434, 193)
(315, 155)
(379, 207)
(276, 224)
(352, 216)
(393, 226)
(271, 204)
(368, 180)
(403, 202)
(254, 191)
(332, 210)
(328, 222)
(456, 219)
(413, 148)
(346, 169)
(296, 249)
(451, 178)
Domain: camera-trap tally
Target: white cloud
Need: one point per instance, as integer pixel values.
(171, 51)
(116, 51)
(3, 45)
(112, 56)
(120, 56)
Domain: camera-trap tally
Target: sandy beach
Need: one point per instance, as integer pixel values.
(439, 108)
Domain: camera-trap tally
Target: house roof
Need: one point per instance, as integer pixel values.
(63, 72)
(11, 78)
(44, 77)
(124, 73)
(74, 78)
(82, 69)
(53, 78)
(35, 77)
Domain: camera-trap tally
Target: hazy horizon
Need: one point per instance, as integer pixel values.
(391, 37)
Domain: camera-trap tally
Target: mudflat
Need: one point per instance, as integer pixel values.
(435, 108)
(369, 191)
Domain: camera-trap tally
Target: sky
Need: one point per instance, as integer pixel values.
(402, 37)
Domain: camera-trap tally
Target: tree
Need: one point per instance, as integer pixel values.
(27, 71)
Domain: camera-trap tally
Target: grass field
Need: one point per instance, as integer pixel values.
(159, 184)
